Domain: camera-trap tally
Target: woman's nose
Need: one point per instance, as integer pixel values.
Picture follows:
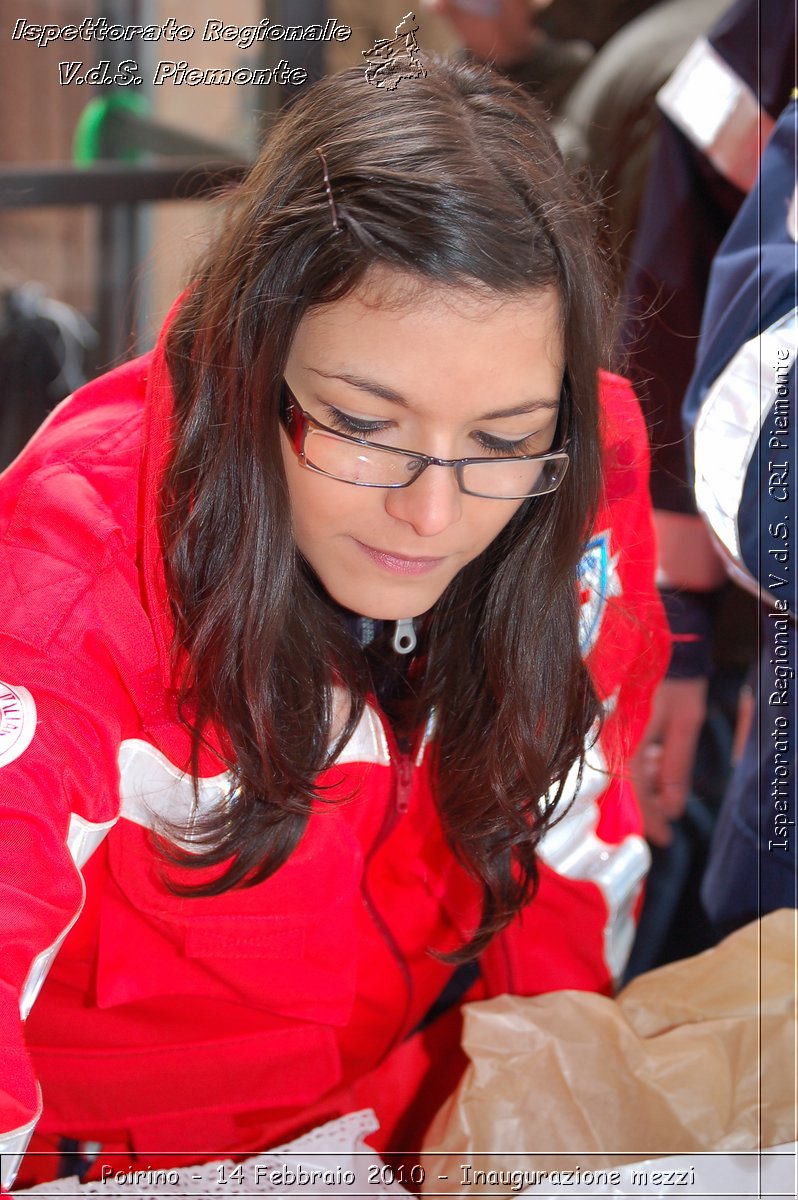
(430, 504)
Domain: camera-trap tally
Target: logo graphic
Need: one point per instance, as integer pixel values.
(598, 582)
(390, 60)
(17, 722)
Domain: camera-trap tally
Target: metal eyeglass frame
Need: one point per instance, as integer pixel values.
(296, 422)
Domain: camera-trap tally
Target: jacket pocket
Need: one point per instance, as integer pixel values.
(188, 1067)
(287, 946)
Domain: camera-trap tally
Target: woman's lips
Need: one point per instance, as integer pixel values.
(399, 564)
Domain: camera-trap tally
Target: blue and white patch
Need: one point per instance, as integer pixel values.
(599, 581)
(17, 722)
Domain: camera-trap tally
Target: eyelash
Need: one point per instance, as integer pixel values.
(490, 444)
(494, 445)
(358, 428)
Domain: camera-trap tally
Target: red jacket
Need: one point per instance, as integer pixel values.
(209, 1026)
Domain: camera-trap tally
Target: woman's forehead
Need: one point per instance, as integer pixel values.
(407, 340)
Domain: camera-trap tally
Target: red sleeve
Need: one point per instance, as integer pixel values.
(64, 576)
(628, 645)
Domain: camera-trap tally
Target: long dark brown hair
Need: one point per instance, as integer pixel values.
(452, 179)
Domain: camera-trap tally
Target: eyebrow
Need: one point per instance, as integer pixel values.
(385, 393)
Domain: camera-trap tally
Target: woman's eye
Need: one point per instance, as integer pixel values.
(500, 446)
(353, 425)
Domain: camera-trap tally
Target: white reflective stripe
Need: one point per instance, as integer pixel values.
(13, 1145)
(85, 836)
(573, 849)
(368, 742)
(83, 839)
(728, 429)
(42, 963)
(152, 789)
(792, 217)
(717, 111)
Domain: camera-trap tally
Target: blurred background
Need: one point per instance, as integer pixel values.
(107, 193)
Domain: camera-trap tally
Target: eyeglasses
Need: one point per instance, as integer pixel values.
(368, 464)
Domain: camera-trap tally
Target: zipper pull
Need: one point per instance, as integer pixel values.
(404, 637)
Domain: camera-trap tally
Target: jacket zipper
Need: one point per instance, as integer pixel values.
(403, 764)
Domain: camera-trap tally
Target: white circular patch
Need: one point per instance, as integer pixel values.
(17, 722)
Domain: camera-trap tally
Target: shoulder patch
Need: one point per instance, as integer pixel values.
(17, 722)
(599, 581)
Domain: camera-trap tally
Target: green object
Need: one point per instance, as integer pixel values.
(91, 140)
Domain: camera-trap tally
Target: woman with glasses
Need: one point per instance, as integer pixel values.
(329, 626)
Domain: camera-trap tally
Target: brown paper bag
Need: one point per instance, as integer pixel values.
(698, 1055)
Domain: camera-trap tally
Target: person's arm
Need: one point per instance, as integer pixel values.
(58, 799)
(689, 574)
(65, 577)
